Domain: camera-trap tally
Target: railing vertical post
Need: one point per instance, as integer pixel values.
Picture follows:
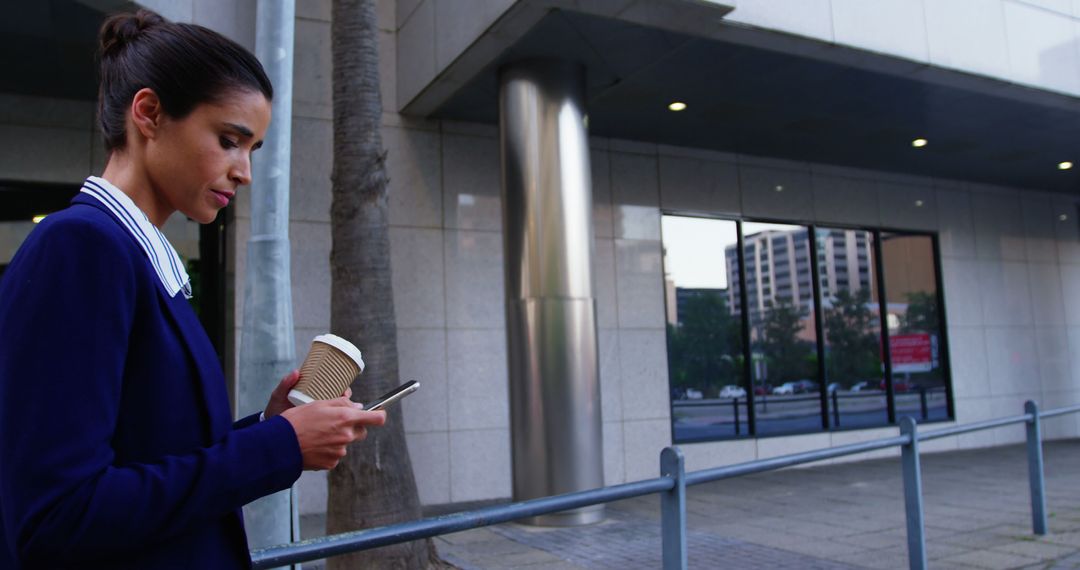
(922, 403)
(1035, 468)
(673, 509)
(836, 408)
(913, 503)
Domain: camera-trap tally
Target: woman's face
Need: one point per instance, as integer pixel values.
(197, 163)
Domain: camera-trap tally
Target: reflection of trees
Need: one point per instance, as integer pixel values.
(852, 343)
(921, 313)
(788, 356)
(704, 349)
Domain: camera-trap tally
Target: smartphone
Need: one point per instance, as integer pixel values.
(393, 395)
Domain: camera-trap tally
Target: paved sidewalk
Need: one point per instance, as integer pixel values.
(830, 517)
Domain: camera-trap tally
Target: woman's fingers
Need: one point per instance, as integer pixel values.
(371, 418)
(288, 382)
(325, 429)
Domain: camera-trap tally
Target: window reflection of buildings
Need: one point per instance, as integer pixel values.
(778, 268)
(909, 266)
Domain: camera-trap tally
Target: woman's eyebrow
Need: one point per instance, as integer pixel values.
(240, 129)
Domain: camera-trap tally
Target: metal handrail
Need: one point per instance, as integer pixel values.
(317, 548)
(779, 462)
(672, 484)
(976, 426)
(1060, 411)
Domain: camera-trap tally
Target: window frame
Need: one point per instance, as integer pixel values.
(742, 312)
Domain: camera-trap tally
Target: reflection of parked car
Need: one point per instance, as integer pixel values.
(796, 387)
(898, 385)
(832, 387)
(763, 389)
(863, 386)
(693, 394)
(784, 389)
(732, 391)
(802, 386)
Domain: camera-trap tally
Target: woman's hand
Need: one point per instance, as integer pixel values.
(279, 398)
(325, 428)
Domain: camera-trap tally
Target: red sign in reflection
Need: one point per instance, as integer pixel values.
(912, 352)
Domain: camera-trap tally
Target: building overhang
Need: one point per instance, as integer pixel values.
(49, 47)
(757, 92)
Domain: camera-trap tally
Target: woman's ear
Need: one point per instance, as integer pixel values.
(146, 112)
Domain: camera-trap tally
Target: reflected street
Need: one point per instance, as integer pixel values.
(697, 420)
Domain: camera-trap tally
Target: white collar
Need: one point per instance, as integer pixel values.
(166, 262)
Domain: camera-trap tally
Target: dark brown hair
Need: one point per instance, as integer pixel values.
(185, 64)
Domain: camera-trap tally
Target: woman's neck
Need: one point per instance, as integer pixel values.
(134, 181)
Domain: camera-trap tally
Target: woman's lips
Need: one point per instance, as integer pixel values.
(222, 197)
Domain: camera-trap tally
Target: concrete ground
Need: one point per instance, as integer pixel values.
(851, 515)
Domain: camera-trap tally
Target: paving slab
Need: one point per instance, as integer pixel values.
(1036, 549)
(990, 560)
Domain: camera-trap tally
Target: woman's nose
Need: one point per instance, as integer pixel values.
(241, 172)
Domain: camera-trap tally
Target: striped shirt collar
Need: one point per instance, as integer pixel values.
(162, 255)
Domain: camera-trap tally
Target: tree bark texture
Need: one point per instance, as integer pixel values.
(374, 484)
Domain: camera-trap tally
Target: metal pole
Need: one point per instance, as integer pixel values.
(922, 402)
(268, 349)
(913, 503)
(1035, 468)
(735, 404)
(835, 409)
(747, 349)
(673, 509)
(555, 424)
(819, 324)
(883, 319)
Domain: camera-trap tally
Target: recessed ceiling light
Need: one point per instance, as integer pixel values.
(37, 219)
(677, 106)
(1064, 165)
(919, 143)
(918, 203)
(779, 188)
(1063, 217)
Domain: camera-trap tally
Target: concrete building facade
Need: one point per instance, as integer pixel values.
(1009, 252)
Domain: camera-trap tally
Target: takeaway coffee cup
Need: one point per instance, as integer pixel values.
(330, 367)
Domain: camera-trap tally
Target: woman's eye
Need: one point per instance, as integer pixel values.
(228, 143)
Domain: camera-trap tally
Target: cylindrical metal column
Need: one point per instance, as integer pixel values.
(550, 304)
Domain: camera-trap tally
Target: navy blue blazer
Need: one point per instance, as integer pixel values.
(117, 446)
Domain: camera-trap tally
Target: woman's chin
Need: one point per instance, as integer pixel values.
(202, 216)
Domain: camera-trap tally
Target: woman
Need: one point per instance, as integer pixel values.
(117, 447)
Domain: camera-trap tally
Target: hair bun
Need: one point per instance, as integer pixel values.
(121, 29)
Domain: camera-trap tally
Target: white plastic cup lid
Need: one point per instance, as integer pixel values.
(344, 346)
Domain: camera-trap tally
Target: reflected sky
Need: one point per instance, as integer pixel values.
(688, 241)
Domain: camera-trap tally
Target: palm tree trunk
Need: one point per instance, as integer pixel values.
(374, 484)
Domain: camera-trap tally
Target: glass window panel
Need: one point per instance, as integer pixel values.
(782, 336)
(704, 329)
(918, 373)
(851, 323)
